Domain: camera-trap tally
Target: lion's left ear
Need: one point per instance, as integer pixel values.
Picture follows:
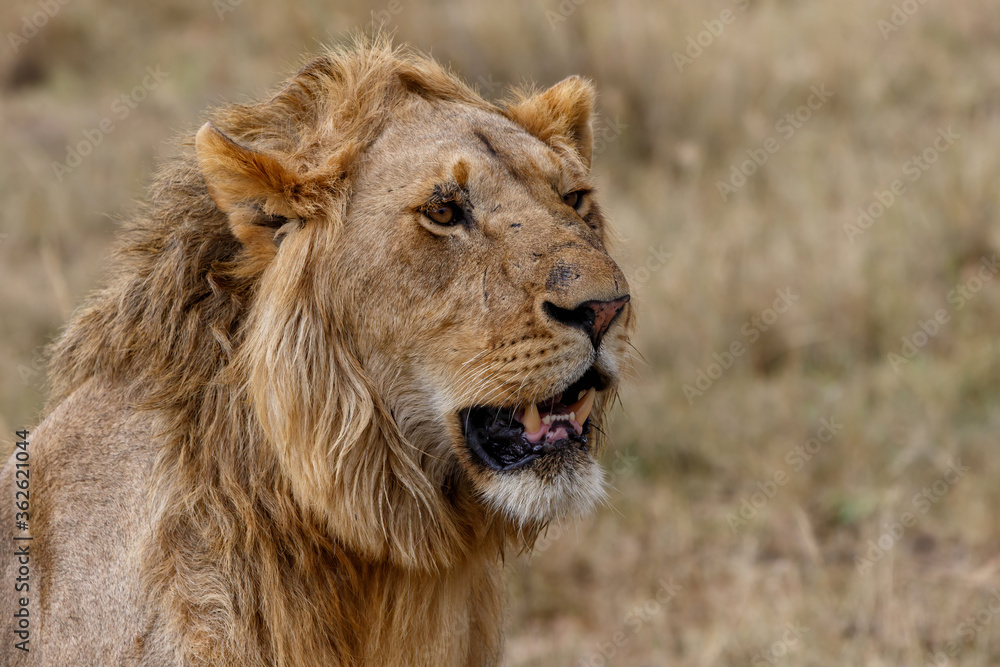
(258, 192)
(561, 113)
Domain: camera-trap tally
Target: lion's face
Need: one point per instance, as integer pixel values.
(436, 319)
(485, 305)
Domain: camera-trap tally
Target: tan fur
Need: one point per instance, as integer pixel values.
(253, 453)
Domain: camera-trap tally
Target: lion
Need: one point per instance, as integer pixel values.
(359, 345)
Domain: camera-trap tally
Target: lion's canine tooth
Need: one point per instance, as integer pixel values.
(580, 395)
(583, 407)
(531, 420)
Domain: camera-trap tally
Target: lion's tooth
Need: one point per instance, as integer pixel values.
(531, 420)
(547, 419)
(580, 395)
(572, 416)
(583, 407)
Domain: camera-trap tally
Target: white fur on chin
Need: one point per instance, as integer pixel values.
(526, 497)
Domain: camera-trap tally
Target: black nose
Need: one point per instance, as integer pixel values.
(592, 317)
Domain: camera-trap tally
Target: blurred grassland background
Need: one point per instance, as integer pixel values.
(835, 559)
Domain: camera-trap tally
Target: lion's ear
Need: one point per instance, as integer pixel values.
(561, 113)
(256, 190)
(237, 175)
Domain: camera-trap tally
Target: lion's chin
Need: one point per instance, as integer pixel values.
(561, 484)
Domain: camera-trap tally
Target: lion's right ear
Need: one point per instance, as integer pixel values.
(563, 113)
(256, 190)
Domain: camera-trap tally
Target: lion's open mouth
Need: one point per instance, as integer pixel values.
(508, 438)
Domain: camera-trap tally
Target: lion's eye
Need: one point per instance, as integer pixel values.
(449, 214)
(573, 199)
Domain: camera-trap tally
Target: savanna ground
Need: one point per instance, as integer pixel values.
(742, 528)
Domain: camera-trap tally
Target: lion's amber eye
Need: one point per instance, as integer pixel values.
(449, 214)
(573, 199)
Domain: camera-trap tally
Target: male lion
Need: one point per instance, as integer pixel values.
(359, 343)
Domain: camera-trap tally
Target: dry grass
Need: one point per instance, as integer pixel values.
(685, 465)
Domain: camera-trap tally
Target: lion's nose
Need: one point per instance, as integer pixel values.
(593, 317)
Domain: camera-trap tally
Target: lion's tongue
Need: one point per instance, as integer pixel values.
(554, 424)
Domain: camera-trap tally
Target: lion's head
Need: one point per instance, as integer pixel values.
(429, 326)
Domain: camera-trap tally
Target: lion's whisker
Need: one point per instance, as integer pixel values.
(487, 375)
(487, 350)
(637, 353)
